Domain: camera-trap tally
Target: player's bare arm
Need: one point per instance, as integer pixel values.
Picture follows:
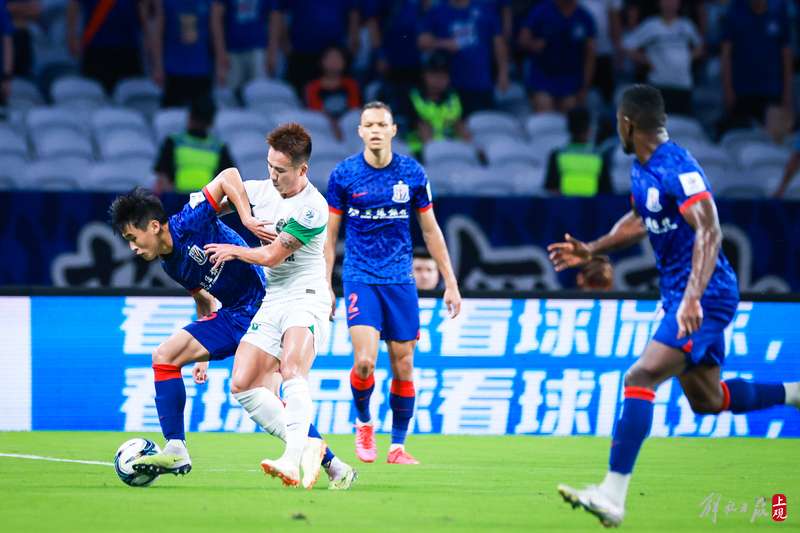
(334, 221)
(270, 255)
(228, 186)
(204, 303)
(702, 216)
(434, 240)
(626, 232)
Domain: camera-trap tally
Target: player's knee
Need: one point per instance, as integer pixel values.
(161, 356)
(289, 371)
(364, 366)
(639, 377)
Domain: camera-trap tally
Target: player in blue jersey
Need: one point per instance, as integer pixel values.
(178, 241)
(673, 206)
(375, 192)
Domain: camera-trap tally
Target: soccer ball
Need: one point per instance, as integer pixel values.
(127, 454)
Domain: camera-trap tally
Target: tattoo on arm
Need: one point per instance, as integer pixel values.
(289, 241)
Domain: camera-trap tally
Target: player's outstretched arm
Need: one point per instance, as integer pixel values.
(702, 216)
(270, 255)
(573, 253)
(228, 185)
(434, 240)
(334, 222)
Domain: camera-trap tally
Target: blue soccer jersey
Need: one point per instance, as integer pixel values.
(376, 204)
(237, 285)
(661, 190)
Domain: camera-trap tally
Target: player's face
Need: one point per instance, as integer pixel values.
(426, 274)
(625, 132)
(284, 175)
(377, 129)
(145, 242)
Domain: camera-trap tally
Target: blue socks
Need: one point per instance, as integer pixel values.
(631, 429)
(401, 400)
(170, 400)
(362, 391)
(742, 396)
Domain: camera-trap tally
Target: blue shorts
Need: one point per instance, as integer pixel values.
(391, 309)
(557, 86)
(220, 332)
(705, 346)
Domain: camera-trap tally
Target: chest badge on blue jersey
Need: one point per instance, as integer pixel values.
(400, 193)
(198, 254)
(653, 203)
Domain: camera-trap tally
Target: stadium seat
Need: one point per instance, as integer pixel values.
(483, 140)
(45, 118)
(682, 128)
(436, 152)
(480, 181)
(269, 95)
(109, 120)
(317, 123)
(24, 95)
(62, 142)
(398, 146)
(125, 144)
(245, 146)
(169, 121)
(545, 124)
(141, 94)
(252, 169)
(541, 145)
(621, 164)
(508, 150)
(483, 122)
(76, 91)
(706, 153)
(526, 179)
(329, 149)
(12, 143)
(444, 176)
(319, 170)
(348, 125)
(758, 154)
(59, 174)
(733, 140)
(231, 122)
(108, 176)
(12, 170)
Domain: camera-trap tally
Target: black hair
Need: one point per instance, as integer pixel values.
(377, 104)
(421, 252)
(203, 109)
(293, 140)
(579, 122)
(644, 106)
(136, 208)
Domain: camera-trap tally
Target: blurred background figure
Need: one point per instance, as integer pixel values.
(426, 273)
(24, 14)
(6, 55)
(576, 169)
(608, 48)
(187, 161)
(334, 92)
(435, 108)
(596, 275)
(107, 37)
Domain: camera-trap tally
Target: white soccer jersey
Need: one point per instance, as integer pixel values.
(304, 216)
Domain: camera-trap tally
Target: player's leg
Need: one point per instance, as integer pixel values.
(401, 329)
(658, 363)
(252, 384)
(365, 320)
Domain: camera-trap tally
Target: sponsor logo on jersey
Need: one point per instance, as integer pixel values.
(198, 254)
(653, 204)
(400, 193)
(665, 225)
(378, 214)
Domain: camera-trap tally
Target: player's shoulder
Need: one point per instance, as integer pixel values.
(674, 158)
(259, 191)
(408, 165)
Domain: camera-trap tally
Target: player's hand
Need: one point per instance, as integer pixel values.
(569, 254)
(333, 304)
(220, 253)
(452, 300)
(265, 231)
(689, 317)
(199, 372)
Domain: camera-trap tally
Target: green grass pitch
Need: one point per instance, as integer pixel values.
(464, 484)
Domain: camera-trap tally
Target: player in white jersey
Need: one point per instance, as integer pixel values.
(293, 319)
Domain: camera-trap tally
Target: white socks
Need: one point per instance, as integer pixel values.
(393, 447)
(298, 417)
(265, 409)
(176, 447)
(615, 485)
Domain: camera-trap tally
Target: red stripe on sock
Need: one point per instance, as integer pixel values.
(165, 372)
(403, 388)
(360, 383)
(726, 396)
(640, 393)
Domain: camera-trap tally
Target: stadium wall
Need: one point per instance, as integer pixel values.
(543, 364)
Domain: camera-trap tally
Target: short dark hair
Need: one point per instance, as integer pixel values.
(377, 104)
(644, 105)
(136, 208)
(579, 121)
(293, 140)
(420, 252)
(203, 109)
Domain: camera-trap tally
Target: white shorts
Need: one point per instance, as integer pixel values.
(275, 317)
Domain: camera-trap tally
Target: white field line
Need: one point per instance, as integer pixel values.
(100, 463)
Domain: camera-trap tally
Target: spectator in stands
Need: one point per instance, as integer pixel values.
(596, 275)
(608, 45)
(182, 50)
(756, 61)
(792, 166)
(239, 31)
(502, 8)
(426, 273)
(6, 54)
(187, 161)
(315, 26)
(666, 45)
(470, 33)
(24, 13)
(333, 93)
(436, 111)
(559, 35)
(576, 170)
(107, 38)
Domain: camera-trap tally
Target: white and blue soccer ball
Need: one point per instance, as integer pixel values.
(127, 454)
